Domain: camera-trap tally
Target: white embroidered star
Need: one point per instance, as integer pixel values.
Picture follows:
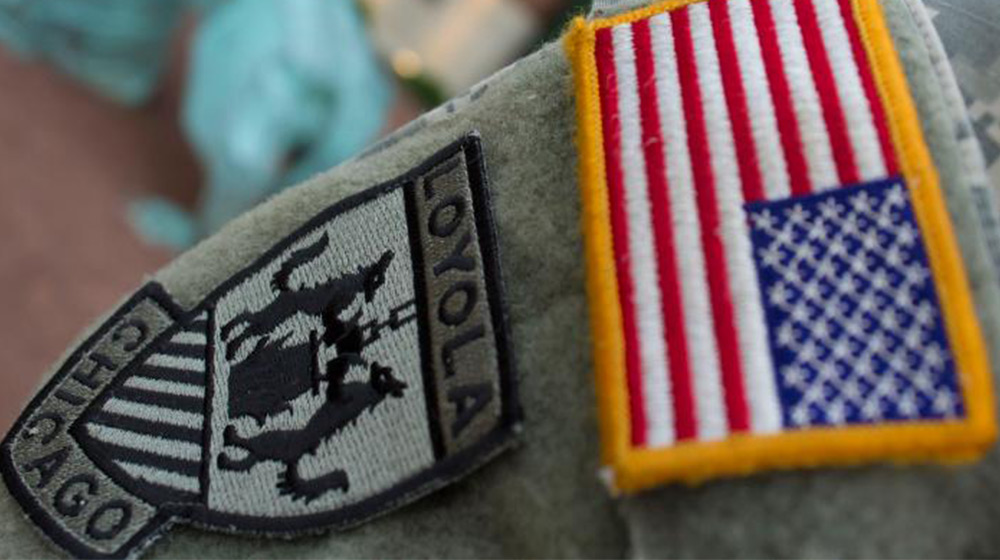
(906, 235)
(924, 314)
(870, 240)
(836, 412)
(829, 209)
(907, 405)
(861, 203)
(794, 376)
(800, 415)
(798, 216)
(944, 403)
(763, 220)
(895, 197)
(841, 349)
(933, 356)
(894, 256)
(786, 335)
(871, 409)
(836, 248)
(817, 231)
(771, 257)
(779, 295)
(880, 279)
(851, 390)
(890, 319)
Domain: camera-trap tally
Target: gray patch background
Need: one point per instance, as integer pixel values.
(386, 445)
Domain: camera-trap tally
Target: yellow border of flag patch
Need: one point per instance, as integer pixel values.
(634, 469)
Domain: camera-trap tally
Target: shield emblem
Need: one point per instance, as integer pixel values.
(359, 364)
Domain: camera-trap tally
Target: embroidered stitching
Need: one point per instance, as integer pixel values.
(952, 437)
(359, 364)
(854, 321)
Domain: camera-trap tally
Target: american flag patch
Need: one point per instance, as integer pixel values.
(772, 273)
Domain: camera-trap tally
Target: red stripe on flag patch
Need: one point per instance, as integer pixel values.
(708, 210)
(791, 142)
(673, 311)
(736, 100)
(826, 86)
(868, 82)
(619, 225)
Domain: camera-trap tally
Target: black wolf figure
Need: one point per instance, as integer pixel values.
(272, 375)
(327, 300)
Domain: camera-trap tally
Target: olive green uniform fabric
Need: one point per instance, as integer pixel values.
(544, 498)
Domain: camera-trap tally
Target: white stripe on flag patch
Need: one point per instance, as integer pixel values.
(760, 106)
(712, 422)
(805, 100)
(655, 380)
(684, 217)
(860, 124)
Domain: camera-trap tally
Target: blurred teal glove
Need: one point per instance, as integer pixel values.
(277, 91)
(118, 48)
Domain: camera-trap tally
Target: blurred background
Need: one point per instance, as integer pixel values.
(130, 129)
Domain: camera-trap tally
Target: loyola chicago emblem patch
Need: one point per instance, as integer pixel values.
(359, 364)
(774, 280)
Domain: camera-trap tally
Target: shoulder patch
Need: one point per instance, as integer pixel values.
(773, 277)
(356, 366)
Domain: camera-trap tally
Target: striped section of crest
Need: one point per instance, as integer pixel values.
(150, 426)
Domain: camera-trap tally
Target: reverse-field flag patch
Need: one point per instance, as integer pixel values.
(357, 365)
(774, 280)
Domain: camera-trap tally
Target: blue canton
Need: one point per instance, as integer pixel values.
(853, 317)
